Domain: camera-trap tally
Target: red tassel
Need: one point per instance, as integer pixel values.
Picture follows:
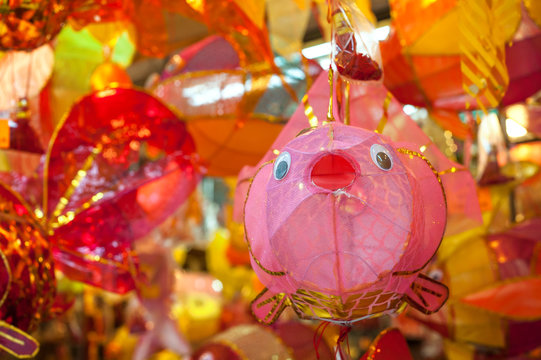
(344, 332)
(318, 336)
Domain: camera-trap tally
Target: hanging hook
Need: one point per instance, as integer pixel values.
(347, 119)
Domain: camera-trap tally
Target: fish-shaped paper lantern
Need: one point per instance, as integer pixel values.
(341, 224)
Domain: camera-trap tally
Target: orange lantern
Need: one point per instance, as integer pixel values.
(434, 57)
(241, 25)
(234, 113)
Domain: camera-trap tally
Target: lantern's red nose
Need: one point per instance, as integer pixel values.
(333, 172)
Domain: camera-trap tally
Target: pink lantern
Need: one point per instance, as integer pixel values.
(340, 225)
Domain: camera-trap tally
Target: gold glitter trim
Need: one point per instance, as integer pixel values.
(64, 200)
(371, 353)
(451, 170)
(315, 305)
(309, 112)
(247, 237)
(233, 347)
(281, 302)
(412, 153)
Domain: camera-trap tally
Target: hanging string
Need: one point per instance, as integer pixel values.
(6, 68)
(344, 332)
(13, 82)
(318, 336)
(309, 112)
(29, 75)
(26, 88)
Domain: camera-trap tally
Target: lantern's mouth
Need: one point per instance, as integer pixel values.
(333, 172)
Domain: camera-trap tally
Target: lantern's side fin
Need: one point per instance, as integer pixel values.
(267, 306)
(427, 295)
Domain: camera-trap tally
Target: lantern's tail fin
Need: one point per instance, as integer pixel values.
(427, 295)
(16, 342)
(267, 306)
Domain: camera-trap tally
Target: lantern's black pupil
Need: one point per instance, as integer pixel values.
(383, 160)
(281, 170)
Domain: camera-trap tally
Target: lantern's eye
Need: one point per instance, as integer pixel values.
(281, 165)
(381, 157)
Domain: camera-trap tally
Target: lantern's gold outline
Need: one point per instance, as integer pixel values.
(273, 273)
(422, 157)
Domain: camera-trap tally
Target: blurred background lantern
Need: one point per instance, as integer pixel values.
(494, 286)
(233, 113)
(425, 65)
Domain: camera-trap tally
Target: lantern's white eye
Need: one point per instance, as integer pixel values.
(281, 165)
(381, 157)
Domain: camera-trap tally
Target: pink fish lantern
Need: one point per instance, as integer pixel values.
(340, 226)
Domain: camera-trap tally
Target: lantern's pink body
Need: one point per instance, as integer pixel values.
(344, 233)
